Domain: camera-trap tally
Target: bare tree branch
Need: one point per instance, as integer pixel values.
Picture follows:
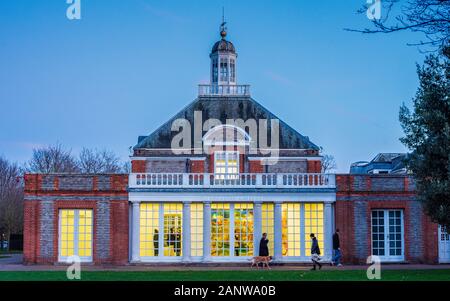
(11, 199)
(429, 17)
(52, 159)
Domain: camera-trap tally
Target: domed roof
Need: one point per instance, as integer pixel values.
(223, 45)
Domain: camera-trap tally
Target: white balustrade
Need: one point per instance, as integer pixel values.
(224, 90)
(243, 180)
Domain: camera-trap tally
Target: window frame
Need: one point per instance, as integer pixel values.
(76, 235)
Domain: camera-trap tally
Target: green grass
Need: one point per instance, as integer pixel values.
(345, 275)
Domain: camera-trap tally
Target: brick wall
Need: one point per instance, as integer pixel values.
(197, 166)
(138, 166)
(358, 195)
(314, 166)
(106, 195)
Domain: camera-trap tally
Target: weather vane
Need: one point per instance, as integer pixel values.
(223, 27)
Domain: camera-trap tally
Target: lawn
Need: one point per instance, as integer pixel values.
(344, 275)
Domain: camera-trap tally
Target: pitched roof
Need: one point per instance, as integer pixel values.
(223, 108)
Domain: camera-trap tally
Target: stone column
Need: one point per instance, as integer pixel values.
(328, 231)
(278, 242)
(186, 233)
(207, 231)
(257, 226)
(135, 216)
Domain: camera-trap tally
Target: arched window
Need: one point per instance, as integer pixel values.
(226, 135)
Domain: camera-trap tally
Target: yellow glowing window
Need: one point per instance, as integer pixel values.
(268, 225)
(313, 224)
(220, 230)
(196, 229)
(149, 230)
(243, 230)
(173, 217)
(75, 233)
(291, 239)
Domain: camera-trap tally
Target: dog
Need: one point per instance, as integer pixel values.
(261, 259)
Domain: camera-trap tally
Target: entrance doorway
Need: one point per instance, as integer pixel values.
(388, 235)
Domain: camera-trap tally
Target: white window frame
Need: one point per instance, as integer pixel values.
(86, 259)
(444, 245)
(386, 257)
(227, 155)
(161, 241)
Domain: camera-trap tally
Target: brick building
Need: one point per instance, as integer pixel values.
(204, 189)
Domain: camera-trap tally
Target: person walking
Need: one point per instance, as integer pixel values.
(337, 254)
(315, 252)
(263, 248)
(156, 242)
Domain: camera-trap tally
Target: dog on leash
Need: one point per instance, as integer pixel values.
(261, 259)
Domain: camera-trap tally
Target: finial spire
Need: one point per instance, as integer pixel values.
(223, 27)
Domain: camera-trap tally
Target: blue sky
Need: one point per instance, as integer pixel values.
(128, 66)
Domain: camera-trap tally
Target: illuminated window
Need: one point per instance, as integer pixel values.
(226, 167)
(149, 230)
(85, 233)
(220, 230)
(291, 229)
(313, 224)
(173, 216)
(268, 224)
(196, 229)
(75, 233)
(243, 230)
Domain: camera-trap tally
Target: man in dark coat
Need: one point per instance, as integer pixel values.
(263, 248)
(337, 254)
(315, 252)
(156, 242)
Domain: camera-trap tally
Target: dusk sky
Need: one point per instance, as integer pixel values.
(128, 66)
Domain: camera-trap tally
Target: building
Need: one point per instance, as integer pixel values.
(383, 163)
(203, 189)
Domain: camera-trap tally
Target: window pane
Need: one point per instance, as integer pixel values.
(196, 229)
(149, 230)
(314, 224)
(173, 217)
(291, 229)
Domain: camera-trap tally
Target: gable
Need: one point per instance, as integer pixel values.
(223, 108)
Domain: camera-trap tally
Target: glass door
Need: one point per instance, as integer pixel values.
(388, 235)
(444, 245)
(75, 234)
(243, 230)
(220, 230)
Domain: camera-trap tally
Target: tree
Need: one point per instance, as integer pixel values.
(427, 135)
(52, 159)
(11, 199)
(429, 17)
(94, 161)
(328, 163)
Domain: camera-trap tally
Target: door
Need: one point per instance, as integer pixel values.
(444, 245)
(388, 235)
(75, 234)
